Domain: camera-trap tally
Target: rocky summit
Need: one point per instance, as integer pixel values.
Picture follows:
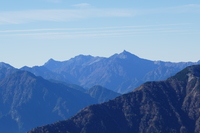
(121, 72)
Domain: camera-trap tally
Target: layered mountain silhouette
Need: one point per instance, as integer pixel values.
(102, 94)
(169, 106)
(6, 69)
(48, 74)
(120, 73)
(27, 101)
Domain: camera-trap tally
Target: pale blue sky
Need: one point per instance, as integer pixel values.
(33, 31)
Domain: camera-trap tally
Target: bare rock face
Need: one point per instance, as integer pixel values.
(170, 106)
(120, 72)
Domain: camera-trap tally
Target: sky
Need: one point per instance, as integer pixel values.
(33, 31)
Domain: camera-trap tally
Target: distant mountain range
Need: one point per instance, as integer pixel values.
(169, 106)
(28, 101)
(40, 95)
(120, 73)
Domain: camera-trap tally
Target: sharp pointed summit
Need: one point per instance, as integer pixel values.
(121, 72)
(52, 64)
(125, 54)
(51, 60)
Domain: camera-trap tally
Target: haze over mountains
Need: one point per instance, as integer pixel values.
(101, 94)
(28, 101)
(6, 69)
(41, 95)
(170, 106)
(121, 72)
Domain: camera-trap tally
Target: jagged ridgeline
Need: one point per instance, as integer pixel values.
(27, 101)
(170, 106)
(120, 72)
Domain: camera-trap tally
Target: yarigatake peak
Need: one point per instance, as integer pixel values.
(121, 72)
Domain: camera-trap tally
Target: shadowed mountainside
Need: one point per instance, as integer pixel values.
(102, 94)
(170, 106)
(6, 69)
(27, 101)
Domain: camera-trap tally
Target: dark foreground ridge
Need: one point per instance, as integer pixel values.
(170, 106)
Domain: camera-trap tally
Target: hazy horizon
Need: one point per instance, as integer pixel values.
(34, 31)
(93, 56)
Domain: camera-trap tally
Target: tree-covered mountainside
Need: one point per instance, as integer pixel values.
(47, 74)
(6, 69)
(169, 106)
(102, 94)
(27, 101)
